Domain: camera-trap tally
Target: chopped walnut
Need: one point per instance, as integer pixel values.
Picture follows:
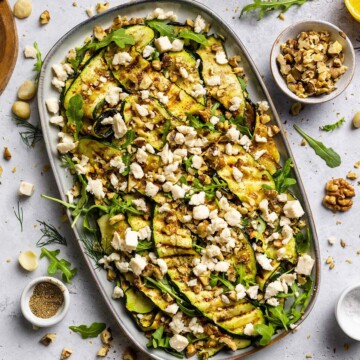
(129, 354)
(311, 64)
(48, 339)
(99, 33)
(351, 175)
(106, 336)
(338, 195)
(101, 7)
(296, 108)
(103, 350)
(66, 353)
(45, 17)
(7, 154)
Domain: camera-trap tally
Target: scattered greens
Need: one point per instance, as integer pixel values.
(282, 179)
(58, 264)
(331, 127)
(331, 158)
(19, 215)
(196, 123)
(191, 35)
(265, 331)
(240, 123)
(91, 331)
(75, 114)
(38, 63)
(265, 6)
(162, 28)
(92, 247)
(31, 134)
(119, 37)
(129, 138)
(303, 241)
(50, 235)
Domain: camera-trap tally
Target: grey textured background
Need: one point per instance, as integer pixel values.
(319, 335)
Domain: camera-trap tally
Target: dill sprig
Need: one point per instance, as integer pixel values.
(38, 63)
(19, 215)
(93, 248)
(50, 235)
(31, 134)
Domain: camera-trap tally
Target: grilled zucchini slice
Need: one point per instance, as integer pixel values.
(229, 80)
(137, 302)
(89, 78)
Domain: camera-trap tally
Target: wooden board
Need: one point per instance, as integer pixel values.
(8, 44)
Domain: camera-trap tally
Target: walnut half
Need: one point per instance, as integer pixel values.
(339, 194)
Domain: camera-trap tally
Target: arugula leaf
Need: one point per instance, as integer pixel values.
(191, 35)
(91, 331)
(214, 279)
(278, 316)
(38, 63)
(210, 189)
(282, 179)
(196, 123)
(119, 37)
(242, 82)
(166, 131)
(188, 163)
(159, 340)
(269, 5)
(56, 264)
(265, 331)
(129, 138)
(144, 245)
(331, 157)
(331, 127)
(303, 242)
(80, 53)
(75, 114)
(162, 28)
(126, 158)
(239, 122)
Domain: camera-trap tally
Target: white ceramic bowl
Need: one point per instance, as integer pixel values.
(347, 311)
(336, 34)
(25, 297)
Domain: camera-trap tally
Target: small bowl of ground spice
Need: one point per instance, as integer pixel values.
(45, 301)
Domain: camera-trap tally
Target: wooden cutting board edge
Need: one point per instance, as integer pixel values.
(8, 44)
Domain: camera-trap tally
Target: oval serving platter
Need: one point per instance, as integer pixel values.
(257, 90)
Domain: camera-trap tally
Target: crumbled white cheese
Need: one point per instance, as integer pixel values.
(136, 170)
(273, 289)
(60, 72)
(233, 217)
(164, 208)
(140, 204)
(197, 199)
(113, 96)
(201, 212)
(57, 120)
(252, 292)
(233, 134)
(192, 283)
(163, 44)
(214, 120)
(199, 24)
(237, 174)
(198, 90)
(148, 50)
(213, 80)
(240, 291)
(195, 327)
(131, 239)
(149, 149)
(249, 330)
(305, 265)
(162, 265)
(183, 72)
(162, 98)
(222, 266)
(137, 264)
(259, 154)
(177, 45)
(293, 209)
(122, 58)
(142, 110)
(160, 14)
(220, 57)
(287, 234)
(178, 342)
(245, 142)
(260, 139)
(117, 162)
(197, 162)
(117, 292)
(151, 189)
(177, 192)
(95, 187)
(199, 269)
(264, 261)
(26, 188)
(172, 309)
(52, 105)
(119, 126)
(30, 52)
(263, 106)
(141, 156)
(114, 180)
(273, 302)
(282, 197)
(235, 103)
(58, 84)
(144, 233)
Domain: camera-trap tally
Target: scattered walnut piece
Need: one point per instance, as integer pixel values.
(99, 33)
(357, 164)
(48, 339)
(308, 356)
(303, 142)
(296, 108)
(7, 154)
(358, 252)
(351, 175)
(342, 243)
(1, 170)
(101, 7)
(129, 354)
(45, 17)
(103, 350)
(281, 16)
(106, 336)
(66, 353)
(338, 195)
(349, 261)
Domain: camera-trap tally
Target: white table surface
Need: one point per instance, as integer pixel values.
(319, 335)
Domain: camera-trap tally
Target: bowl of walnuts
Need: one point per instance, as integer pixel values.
(312, 61)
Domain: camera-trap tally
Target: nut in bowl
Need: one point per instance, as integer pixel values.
(312, 77)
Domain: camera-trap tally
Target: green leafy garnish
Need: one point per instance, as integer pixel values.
(58, 264)
(277, 315)
(126, 158)
(242, 82)
(75, 114)
(38, 63)
(19, 215)
(162, 28)
(144, 245)
(129, 138)
(215, 279)
(31, 134)
(188, 164)
(269, 5)
(302, 241)
(240, 123)
(51, 234)
(93, 248)
(166, 131)
(191, 35)
(265, 331)
(91, 331)
(196, 123)
(331, 127)
(119, 37)
(282, 179)
(209, 189)
(331, 157)
(159, 339)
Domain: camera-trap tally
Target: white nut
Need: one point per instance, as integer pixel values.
(28, 260)
(356, 120)
(22, 9)
(27, 90)
(21, 109)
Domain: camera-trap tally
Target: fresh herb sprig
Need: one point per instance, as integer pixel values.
(58, 265)
(91, 331)
(303, 241)
(329, 155)
(191, 35)
(196, 123)
(210, 189)
(38, 63)
(331, 127)
(75, 114)
(93, 248)
(282, 179)
(31, 135)
(265, 6)
(50, 235)
(19, 215)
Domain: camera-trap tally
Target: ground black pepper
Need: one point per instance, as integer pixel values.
(46, 300)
